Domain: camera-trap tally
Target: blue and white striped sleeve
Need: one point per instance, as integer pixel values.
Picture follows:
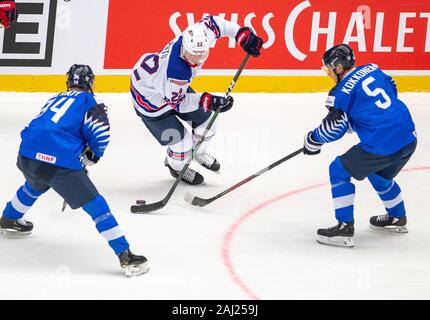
(96, 129)
(333, 127)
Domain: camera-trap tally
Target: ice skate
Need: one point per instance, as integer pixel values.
(190, 176)
(340, 235)
(15, 227)
(133, 265)
(384, 222)
(207, 161)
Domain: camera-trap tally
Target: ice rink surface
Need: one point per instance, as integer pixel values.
(257, 242)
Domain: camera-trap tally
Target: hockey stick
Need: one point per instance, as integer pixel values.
(141, 206)
(200, 202)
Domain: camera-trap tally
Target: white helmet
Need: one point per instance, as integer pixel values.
(195, 41)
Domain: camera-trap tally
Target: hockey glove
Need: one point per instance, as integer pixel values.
(8, 13)
(310, 146)
(249, 41)
(89, 158)
(211, 102)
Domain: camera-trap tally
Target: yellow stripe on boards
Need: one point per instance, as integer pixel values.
(270, 84)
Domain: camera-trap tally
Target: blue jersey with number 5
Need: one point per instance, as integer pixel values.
(369, 99)
(67, 124)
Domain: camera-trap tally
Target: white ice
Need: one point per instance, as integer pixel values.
(240, 246)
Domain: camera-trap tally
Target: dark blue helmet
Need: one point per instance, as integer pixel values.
(80, 75)
(340, 54)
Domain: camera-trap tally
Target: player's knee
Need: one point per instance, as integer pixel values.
(379, 183)
(338, 173)
(32, 192)
(200, 130)
(96, 207)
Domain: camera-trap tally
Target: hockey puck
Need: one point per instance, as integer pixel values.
(140, 202)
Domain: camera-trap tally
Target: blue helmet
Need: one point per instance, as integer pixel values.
(340, 54)
(80, 75)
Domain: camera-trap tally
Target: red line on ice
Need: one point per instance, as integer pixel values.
(232, 230)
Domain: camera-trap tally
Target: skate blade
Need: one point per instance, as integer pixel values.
(347, 242)
(14, 233)
(134, 271)
(392, 229)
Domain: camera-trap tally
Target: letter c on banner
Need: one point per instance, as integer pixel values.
(289, 31)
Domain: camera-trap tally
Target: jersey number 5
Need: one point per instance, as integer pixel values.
(373, 93)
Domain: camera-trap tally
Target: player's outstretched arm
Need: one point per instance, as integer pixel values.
(332, 128)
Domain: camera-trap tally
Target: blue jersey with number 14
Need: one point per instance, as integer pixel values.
(67, 124)
(369, 99)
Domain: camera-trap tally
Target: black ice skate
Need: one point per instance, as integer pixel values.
(133, 265)
(16, 227)
(207, 161)
(386, 223)
(190, 176)
(340, 235)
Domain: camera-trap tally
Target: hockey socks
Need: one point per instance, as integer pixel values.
(106, 224)
(390, 194)
(343, 192)
(24, 198)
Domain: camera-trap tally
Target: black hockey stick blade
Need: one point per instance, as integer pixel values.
(142, 207)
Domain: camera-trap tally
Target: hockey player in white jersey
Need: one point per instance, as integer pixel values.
(161, 92)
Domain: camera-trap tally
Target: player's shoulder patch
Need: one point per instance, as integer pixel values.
(330, 101)
(97, 99)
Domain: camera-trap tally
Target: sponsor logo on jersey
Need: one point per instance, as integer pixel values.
(46, 158)
(330, 101)
(6, 5)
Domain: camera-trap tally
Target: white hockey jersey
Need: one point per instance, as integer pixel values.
(160, 81)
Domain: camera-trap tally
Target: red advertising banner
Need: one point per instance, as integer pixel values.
(395, 34)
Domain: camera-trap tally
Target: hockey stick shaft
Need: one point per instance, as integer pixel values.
(202, 202)
(160, 204)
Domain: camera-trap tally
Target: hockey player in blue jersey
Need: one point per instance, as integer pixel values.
(364, 101)
(72, 129)
(162, 96)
